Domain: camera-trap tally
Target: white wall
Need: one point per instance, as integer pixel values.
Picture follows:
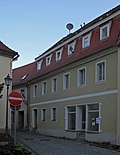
(5, 68)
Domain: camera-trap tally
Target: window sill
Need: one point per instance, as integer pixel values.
(93, 132)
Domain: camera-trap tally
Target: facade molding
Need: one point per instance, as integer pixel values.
(77, 97)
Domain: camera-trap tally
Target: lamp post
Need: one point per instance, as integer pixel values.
(8, 81)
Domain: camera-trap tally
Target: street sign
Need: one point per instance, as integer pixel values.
(15, 98)
(15, 107)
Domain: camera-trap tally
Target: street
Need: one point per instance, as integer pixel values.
(45, 145)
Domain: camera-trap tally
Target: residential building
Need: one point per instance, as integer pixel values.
(21, 76)
(74, 88)
(7, 56)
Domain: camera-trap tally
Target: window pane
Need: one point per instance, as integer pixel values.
(54, 85)
(92, 123)
(66, 81)
(72, 109)
(53, 114)
(43, 114)
(81, 76)
(101, 71)
(104, 32)
(71, 121)
(93, 107)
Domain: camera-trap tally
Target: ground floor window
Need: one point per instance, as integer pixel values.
(93, 117)
(43, 114)
(83, 117)
(53, 114)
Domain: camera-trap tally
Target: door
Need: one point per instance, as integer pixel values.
(20, 120)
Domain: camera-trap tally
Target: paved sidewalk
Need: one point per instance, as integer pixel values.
(45, 145)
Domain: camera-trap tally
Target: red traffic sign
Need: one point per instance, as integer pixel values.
(15, 98)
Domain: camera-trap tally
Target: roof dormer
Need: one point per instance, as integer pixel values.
(71, 47)
(48, 60)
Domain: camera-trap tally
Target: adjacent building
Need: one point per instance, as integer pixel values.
(7, 56)
(73, 88)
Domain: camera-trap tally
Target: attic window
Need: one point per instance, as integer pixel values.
(39, 64)
(105, 31)
(86, 40)
(48, 60)
(23, 78)
(71, 48)
(59, 54)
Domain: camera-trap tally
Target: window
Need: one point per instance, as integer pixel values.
(71, 48)
(71, 118)
(39, 64)
(82, 77)
(23, 94)
(104, 31)
(43, 114)
(59, 55)
(66, 81)
(53, 114)
(24, 77)
(35, 89)
(48, 60)
(101, 71)
(54, 85)
(86, 40)
(44, 87)
(94, 117)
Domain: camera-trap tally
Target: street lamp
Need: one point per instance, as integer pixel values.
(8, 81)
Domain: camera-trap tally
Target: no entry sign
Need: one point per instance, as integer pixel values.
(15, 98)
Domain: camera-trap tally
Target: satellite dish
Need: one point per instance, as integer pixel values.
(69, 26)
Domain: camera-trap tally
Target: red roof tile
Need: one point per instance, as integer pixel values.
(7, 51)
(22, 74)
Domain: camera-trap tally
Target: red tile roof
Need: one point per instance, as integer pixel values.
(5, 50)
(96, 45)
(23, 74)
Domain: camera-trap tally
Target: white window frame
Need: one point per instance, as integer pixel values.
(35, 90)
(103, 71)
(60, 54)
(52, 115)
(108, 25)
(92, 111)
(23, 91)
(84, 44)
(44, 89)
(79, 78)
(64, 81)
(43, 114)
(48, 60)
(39, 64)
(73, 46)
(66, 126)
(52, 85)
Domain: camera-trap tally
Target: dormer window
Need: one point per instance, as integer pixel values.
(105, 31)
(86, 40)
(71, 48)
(39, 64)
(59, 54)
(48, 60)
(24, 77)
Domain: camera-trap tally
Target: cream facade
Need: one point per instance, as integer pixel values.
(79, 108)
(6, 58)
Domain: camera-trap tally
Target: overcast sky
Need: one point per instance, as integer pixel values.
(31, 26)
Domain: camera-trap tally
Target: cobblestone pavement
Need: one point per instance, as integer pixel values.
(45, 145)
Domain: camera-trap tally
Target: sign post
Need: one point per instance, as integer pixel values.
(15, 99)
